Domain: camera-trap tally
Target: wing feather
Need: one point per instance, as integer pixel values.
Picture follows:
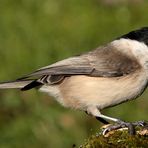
(102, 62)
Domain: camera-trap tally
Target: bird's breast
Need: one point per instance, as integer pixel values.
(81, 92)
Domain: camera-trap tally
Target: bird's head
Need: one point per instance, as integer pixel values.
(140, 35)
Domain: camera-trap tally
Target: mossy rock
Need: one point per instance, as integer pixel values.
(118, 139)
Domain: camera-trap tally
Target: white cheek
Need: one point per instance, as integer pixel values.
(133, 48)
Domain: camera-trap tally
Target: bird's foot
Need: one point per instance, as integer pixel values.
(141, 123)
(129, 125)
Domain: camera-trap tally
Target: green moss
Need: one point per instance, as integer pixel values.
(117, 139)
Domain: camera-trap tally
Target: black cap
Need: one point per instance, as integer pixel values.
(138, 35)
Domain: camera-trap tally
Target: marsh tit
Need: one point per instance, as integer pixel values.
(104, 77)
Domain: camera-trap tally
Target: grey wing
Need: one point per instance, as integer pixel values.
(102, 62)
(56, 72)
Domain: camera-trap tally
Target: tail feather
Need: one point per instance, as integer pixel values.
(15, 84)
(33, 84)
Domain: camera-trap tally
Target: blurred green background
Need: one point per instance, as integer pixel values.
(35, 33)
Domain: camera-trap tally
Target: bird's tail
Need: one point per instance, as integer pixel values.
(15, 84)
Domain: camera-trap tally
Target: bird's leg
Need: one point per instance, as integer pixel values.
(120, 124)
(102, 120)
(98, 118)
(96, 113)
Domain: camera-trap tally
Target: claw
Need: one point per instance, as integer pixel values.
(121, 124)
(111, 128)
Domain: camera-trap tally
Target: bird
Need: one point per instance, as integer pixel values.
(107, 76)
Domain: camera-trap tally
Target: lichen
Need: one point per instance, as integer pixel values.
(118, 139)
